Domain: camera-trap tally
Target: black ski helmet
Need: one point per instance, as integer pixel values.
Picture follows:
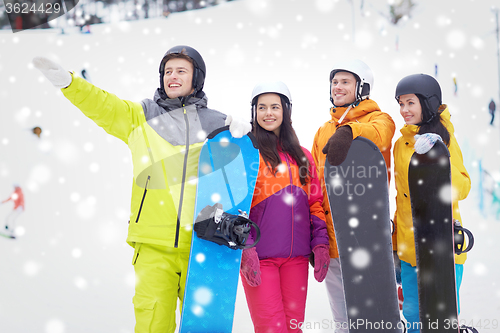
(422, 85)
(198, 64)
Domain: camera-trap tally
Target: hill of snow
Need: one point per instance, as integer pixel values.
(70, 268)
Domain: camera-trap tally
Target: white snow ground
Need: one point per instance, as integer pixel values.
(70, 269)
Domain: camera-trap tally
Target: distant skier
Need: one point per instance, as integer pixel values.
(85, 29)
(86, 75)
(492, 108)
(427, 120)
(456, 85)
(18, 198)
(37, 131)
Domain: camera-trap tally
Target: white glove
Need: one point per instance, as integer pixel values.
(237, 126)
(59, 77)
(425, 142)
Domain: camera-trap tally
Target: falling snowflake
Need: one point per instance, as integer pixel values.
(200, 258)
(86, 209)
(201, 135)
(55, 326)
(353, 209)
(205, 168)
(445, 194)
(22, 115)
(360, 258)
(197, 310)
(31, 268)
(325, 5)
(353, 222)
(203, 296)
(456, 39)
(80, 282)
(288, 199)
(353, 312)
(215, 197)
(76, 253)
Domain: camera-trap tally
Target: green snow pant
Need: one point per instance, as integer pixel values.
(160, 279)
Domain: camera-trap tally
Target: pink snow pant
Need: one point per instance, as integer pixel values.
(278, 305)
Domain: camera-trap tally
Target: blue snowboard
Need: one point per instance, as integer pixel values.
(227, 173)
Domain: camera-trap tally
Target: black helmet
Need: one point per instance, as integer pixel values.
(424, 85)
(199, 67)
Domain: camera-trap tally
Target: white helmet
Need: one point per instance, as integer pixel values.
(362, 73)
(276, 87)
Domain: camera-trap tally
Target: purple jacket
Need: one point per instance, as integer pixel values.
(290, 215)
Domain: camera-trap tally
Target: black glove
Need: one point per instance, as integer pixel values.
(338, 145)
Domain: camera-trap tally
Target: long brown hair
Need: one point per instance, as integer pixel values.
(431, 122)
(270, 145)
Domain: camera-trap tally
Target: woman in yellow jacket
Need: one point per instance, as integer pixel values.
(427, 120)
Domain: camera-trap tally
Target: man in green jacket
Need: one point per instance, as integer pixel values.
(165, 136)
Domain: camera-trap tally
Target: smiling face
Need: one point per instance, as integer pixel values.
(178, 78)
(410, 109)
(343, 88)
(270, 112)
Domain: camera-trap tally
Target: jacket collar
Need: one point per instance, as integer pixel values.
(364, 107)
(170, 104)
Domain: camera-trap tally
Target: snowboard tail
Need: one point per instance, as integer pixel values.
(358, 192)
(429, 180)
(227, 172)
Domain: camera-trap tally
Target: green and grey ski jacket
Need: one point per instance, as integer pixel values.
(165, 139)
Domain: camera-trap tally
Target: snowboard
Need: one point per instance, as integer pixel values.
(429, 179)
(227, 173)
(358, 192)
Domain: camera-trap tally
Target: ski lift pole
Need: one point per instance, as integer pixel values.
(495, 11)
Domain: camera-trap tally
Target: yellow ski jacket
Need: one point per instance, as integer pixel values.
(165, 139)
(460, 180)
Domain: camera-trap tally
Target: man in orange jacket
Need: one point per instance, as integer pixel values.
(353, 114)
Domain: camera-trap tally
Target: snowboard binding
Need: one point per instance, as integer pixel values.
(458, 233)
(215, 225)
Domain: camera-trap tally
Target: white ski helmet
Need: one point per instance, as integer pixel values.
(276, 87)
(362, 73)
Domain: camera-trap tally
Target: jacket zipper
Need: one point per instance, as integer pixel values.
(142, 200)
(291, 193)
(181, 197)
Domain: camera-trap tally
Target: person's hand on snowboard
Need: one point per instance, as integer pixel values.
(424, 142)
(338, 145)
(321, 261)
(250, 267)
(57, 75)
(237, 126)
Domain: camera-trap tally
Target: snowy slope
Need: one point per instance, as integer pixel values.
(70, 269)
